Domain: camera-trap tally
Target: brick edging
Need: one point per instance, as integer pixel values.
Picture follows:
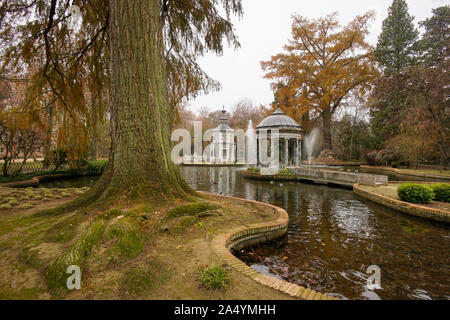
(222, 244)
(405, 207)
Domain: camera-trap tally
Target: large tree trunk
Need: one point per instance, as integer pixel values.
(139, 166)
(326, 119)
(140, 156)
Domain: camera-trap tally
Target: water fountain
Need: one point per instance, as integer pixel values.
(251, 149)
(310, 141)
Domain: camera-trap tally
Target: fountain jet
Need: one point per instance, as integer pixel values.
(310, 142)
(251, 149)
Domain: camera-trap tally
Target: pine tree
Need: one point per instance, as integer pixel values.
(397, 44)
(434, 44)
(396, 51)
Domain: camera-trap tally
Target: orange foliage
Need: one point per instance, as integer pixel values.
(323, 64)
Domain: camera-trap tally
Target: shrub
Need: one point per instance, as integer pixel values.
(253, 170)
(56, 159)
(215, 278)
(370, 156)
(95, 167)
(441, 192)
(285, 172)
(415, 193)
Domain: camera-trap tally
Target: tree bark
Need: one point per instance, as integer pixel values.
(140, 158)
(326, 119)
(139, 166)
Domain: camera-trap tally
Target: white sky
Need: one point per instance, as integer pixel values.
(263, 31)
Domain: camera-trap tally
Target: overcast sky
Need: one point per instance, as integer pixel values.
(265, 28)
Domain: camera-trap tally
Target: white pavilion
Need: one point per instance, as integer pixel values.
(223, 143)
(285, 150)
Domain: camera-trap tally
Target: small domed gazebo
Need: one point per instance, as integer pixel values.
(223, 145)
(289, 139)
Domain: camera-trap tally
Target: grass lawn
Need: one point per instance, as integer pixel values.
(391, 192)
(422, 172)
(426, 171)
(148, 251)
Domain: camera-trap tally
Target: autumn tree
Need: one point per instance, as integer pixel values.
(141, 36)
(74, 74)
(323, 64)
(244, 111)
(20, 130)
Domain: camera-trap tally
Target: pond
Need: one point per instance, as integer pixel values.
(334, 236)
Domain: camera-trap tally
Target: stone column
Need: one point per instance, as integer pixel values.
(227, 149)
(296, 153)
(274, 152)
(286, 152)
(220, 151)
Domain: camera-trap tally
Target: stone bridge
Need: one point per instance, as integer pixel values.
(322, 176)
(338, 177)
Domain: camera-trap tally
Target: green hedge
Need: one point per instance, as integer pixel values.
(441, 192)
(415, 193)
(253, 170)
(285, 172)
(94, 167)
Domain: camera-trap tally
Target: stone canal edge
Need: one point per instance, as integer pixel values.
(241, 237)
(405, 207)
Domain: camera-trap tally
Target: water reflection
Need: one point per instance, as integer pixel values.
(334, 236)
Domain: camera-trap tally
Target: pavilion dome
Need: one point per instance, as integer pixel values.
(223, 126)
(278, 119)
